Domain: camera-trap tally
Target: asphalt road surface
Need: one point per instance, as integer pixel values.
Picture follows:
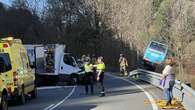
(121, 94)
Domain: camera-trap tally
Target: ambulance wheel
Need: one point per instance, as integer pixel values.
(34, 93)
(4, 102)
(21, 98)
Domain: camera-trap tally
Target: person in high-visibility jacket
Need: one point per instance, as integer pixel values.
(89, 80)
(100, 68)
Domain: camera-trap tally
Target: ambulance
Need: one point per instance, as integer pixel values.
(15, 70)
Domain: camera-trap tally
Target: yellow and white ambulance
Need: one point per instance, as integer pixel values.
(16, 70)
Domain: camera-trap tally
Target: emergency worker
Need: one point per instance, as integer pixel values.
(123, 65)
(93, 59)
(88, 77)
(83, 59)
(88, 58)
(94, 62)
(49, 62)
(100, 69)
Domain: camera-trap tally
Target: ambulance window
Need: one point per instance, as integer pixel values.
(31, 63)
(5, 63)
(24, 61)
(27, 61)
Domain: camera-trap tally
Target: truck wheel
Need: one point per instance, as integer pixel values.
(4, 102)
(74, 79)
(34, 93)
(21, 98)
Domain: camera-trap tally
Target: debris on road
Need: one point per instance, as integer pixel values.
(162, 104)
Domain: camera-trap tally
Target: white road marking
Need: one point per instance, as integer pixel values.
(53, 87)
(59, 103)
(151, 99)
(48, 107)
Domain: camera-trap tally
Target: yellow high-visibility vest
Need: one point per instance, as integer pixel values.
(88, 68)
(101, 66)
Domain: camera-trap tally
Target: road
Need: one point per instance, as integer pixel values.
(121, 94)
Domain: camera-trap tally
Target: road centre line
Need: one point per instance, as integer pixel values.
(53, 87)
(52, 107)
(151, 99)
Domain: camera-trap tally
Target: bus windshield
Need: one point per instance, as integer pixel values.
(158, 46)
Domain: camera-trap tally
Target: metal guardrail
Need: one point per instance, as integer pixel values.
(181, 91)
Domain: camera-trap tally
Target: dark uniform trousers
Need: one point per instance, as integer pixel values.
(89, 80)
(101, 83)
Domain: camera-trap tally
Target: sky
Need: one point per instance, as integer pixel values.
(40, 4)
(8, 2)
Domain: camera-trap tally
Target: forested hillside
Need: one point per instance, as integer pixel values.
(107, 27)
(136, 22)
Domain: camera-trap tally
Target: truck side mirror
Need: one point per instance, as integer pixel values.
(78, 60)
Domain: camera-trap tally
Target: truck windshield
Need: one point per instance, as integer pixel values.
(68, 60)
(5, 63)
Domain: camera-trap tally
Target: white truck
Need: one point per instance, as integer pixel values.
(53, 65)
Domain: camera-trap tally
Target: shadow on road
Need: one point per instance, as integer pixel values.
(78, 107)
(123, 92)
